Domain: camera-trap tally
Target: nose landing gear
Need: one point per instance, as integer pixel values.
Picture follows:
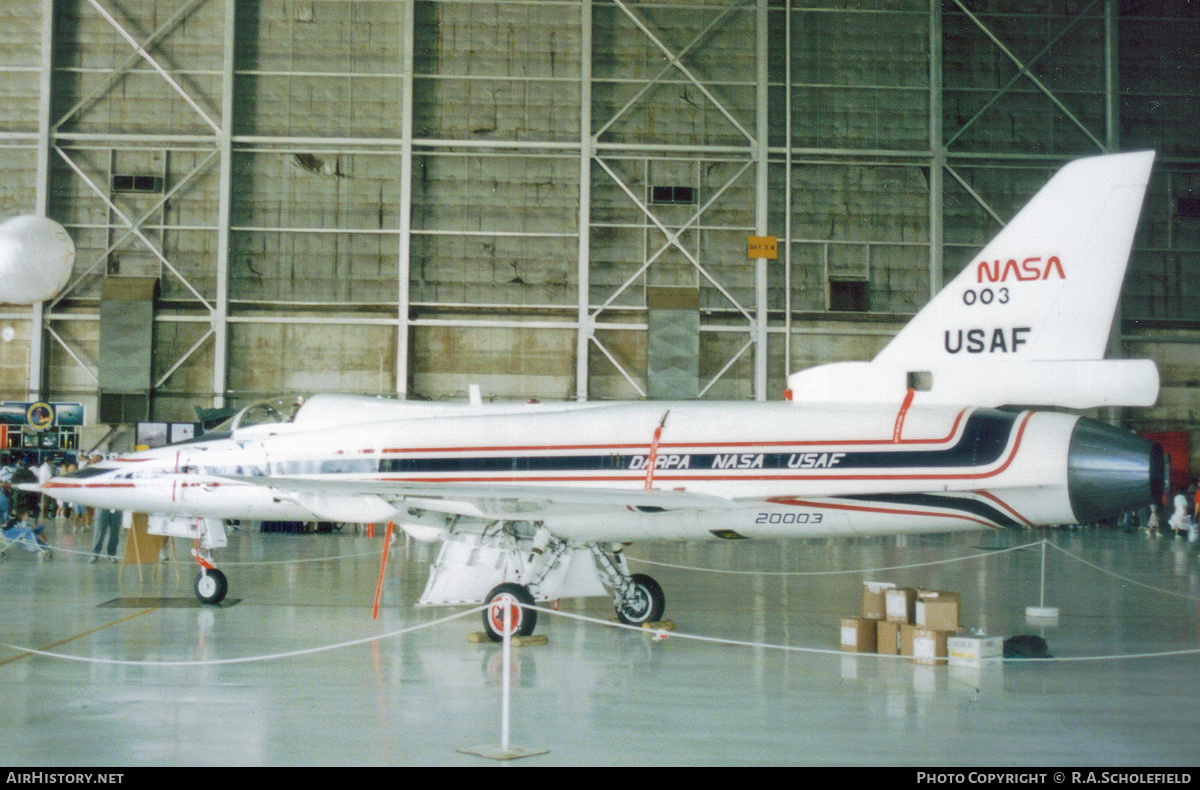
(211, 586)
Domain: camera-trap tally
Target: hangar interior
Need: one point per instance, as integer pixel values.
(552, 199)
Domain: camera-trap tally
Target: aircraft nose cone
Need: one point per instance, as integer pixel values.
(1112, 471)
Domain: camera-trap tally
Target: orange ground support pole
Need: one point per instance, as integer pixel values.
(387, 542)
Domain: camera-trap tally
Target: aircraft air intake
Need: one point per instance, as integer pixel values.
(1111, 471)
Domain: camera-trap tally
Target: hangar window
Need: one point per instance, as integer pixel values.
(673, 195)
(134, 183)
(851, 296)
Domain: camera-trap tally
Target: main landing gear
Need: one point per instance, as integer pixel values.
(637, 598)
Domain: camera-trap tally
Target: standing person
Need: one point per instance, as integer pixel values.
(1152, 522)
(1179, 519)
(44, 472)
(108, 523)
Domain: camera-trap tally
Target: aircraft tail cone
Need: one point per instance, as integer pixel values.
(1111, 471)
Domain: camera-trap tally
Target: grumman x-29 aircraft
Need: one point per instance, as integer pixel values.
(534, 502)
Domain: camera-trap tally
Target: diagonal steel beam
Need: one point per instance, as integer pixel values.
(91, 370)
(157, 36)
(976, 195)
(752, 341)
(673, 237)
(670, 64)
(137, 232)
(175, 190)
(186, 356)
(675, 61)
(141, 51)
(1023, 70)
(641, 393)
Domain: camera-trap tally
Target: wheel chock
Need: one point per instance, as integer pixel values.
(481, 638)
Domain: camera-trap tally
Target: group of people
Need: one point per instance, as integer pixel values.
(22, 511)
(1185, 518)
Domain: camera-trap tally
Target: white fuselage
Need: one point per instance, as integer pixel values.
(742, 469)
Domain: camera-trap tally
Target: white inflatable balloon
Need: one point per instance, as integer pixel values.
(36, 256)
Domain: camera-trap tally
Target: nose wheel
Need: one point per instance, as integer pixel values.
(211, 586)
(643, 601)
(512, 597)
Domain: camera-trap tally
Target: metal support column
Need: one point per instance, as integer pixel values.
(1112, 96)
(761, 185)
(37, 313)
(406, 156)
(937, 149)
(1112, 143)
(586, 146)
(787, 190)
(220, 312)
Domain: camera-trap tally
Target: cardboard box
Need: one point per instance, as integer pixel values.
(938, 610)
(887, 638)
(858, 635)
(929, 646)
(873, 605)
(901, 604)
(970, 651)
(906, 638)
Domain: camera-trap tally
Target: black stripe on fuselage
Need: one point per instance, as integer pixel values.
(983, 440)
(972, 506)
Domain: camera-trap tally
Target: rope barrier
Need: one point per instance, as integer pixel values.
(1077, 558)
(661, 634)
(658, 634)
(249, 659)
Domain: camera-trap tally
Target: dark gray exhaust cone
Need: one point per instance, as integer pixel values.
(1111, 471)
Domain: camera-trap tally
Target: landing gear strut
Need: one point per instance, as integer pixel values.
(638, 598)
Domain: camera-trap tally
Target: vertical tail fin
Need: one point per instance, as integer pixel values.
(1055, 270)
(1028, 320)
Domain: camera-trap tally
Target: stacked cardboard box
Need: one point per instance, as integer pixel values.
(906, 621)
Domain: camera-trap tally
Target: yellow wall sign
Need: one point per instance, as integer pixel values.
(763, 247)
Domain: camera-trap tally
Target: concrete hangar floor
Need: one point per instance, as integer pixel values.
(597, 695)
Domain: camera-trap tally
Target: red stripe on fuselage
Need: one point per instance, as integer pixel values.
(694, 478)
(682, 445)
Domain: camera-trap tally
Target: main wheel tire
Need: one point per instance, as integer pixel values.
(645, 602)
(510, 594)
(211, 587)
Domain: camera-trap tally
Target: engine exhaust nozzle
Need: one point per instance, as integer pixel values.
(1111, 471)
